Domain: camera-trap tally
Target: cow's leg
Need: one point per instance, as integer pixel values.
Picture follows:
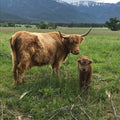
(24, 63)
(56, 68)
(14, 60)
(53, 70)
(20, 76)
(22, 67)
(21, 70)
(15, 71)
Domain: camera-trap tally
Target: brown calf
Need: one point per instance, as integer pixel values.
(85, 72)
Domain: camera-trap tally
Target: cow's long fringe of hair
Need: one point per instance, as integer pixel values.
(14, 56)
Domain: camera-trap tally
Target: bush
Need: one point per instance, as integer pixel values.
(11, 24)
(28, 26)
(113, 24)
(43, 26)
(52, 26)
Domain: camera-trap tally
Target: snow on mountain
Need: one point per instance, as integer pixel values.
(87, 3)
(60, 1)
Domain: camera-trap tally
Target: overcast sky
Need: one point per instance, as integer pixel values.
(105, 1)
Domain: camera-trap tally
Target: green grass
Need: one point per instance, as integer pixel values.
(52, 98)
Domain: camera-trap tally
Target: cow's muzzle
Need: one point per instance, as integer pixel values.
(76, 52)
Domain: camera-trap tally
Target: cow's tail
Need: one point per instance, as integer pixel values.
(13, 47)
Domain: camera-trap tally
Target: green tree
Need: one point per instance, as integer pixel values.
(28, 26)
(11, 24)
(52, 26)
(113, 24)
(38, 26)
(43, 26)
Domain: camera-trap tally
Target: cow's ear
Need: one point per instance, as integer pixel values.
(90, 61)
(65, 39)
(82, 39)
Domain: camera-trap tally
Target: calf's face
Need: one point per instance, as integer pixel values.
(84, 63)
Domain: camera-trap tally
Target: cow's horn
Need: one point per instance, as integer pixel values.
(85, 34)
(62, 35)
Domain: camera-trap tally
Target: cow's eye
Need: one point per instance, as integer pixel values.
(76, 42)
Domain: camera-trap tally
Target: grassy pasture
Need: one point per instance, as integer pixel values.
(52, 98)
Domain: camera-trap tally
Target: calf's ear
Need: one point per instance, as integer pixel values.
(79, 61)
(90, 61)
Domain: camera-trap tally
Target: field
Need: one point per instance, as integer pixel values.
(45, 97)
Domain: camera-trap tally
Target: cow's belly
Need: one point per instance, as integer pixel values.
(44, 57)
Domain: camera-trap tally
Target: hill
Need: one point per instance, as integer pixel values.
(101, 11)
(57, 11)
(4, 15)
(43, 10)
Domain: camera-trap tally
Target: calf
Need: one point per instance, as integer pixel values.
(85, 72)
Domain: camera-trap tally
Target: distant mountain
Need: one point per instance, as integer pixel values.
(5, 15)
(43, 10)
(101, 11)
(57, 11)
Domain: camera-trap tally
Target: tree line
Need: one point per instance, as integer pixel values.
(44, 25)
(112, 23)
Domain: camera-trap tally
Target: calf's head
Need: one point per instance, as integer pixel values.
(72, 42)
(84, 63)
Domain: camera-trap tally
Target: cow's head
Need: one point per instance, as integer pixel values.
(72, 42)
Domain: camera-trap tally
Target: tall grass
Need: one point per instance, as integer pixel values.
(52, 98)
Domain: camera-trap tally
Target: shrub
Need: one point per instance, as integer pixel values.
(113, 24)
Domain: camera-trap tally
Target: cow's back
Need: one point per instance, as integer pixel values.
(41, 48)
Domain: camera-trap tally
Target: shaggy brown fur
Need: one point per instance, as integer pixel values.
(85, 72)
(38, 49)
